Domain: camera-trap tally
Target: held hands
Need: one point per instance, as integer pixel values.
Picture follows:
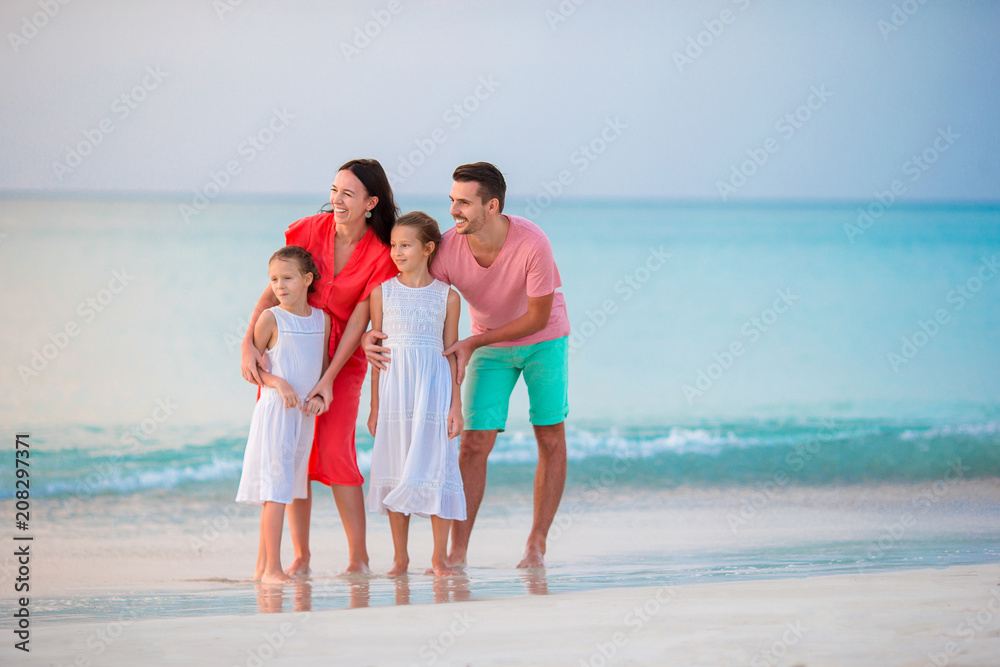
(321, 392)
(314, 406)
(251, 360)
(455, 421)
(377, 355)
(462, 350)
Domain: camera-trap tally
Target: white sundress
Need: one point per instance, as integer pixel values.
(414, 463)
(276, 461)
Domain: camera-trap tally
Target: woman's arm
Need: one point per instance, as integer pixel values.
(252, 361)
(353, 331)
(455, 421)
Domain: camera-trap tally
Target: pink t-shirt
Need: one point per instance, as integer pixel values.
(499, 294)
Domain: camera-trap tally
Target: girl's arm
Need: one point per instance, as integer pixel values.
(252, 362)
(376, 316)
(315, 405)
(353, 331)
(455, 421)
(265, 334)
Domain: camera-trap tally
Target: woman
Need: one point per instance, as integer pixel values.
(350, 247)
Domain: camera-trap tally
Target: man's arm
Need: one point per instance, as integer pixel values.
(533, 321)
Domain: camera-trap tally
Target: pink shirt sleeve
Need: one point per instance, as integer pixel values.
(542, 274)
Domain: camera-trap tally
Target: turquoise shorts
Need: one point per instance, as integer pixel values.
(493, 371)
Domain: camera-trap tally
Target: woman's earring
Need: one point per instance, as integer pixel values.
(368, 214)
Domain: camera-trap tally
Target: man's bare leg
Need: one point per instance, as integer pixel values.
(474, 449)
(550, 479)
(351, 506)
(299, 515)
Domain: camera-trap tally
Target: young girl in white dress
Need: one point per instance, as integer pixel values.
(295, 337)
(416, 408)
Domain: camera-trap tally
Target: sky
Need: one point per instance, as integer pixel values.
(725, 100)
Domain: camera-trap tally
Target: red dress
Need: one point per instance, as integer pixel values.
(334, 459)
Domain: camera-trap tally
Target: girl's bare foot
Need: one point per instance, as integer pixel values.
(441, 569)
(533, 557)
(398, 568)
(298, 568)
(357, 567)
(258, 573)
(278, 577)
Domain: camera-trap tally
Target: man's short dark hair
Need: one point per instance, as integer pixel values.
(489, 178)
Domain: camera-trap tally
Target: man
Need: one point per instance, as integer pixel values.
(503, 267)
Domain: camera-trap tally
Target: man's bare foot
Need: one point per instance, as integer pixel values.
(398, 568)
(298, 568)
(278, 577)
(533, 557)
(357, 567)
(441, 569)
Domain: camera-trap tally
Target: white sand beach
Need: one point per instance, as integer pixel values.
(114, 590)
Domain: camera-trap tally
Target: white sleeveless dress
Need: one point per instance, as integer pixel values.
(414, 462)
(276, 462)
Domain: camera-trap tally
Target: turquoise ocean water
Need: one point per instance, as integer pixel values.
(724, 347)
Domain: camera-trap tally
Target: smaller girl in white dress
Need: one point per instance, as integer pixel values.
(416, 409)
(295, 336)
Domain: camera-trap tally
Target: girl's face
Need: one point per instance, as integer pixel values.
(349, 198)
(406, 249)
(289, 284)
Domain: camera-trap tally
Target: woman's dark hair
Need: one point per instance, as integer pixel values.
(304, 260)
(489, 178)
(376, 183)
(426, 227)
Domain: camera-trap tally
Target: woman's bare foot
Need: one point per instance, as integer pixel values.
(298, 568)
(398, 568)
(278, 577)
(258, 573)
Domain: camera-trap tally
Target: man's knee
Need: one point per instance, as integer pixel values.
(551, 440)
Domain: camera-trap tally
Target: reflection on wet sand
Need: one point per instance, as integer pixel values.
(451, 589)
(535, 581)
(271, 597)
